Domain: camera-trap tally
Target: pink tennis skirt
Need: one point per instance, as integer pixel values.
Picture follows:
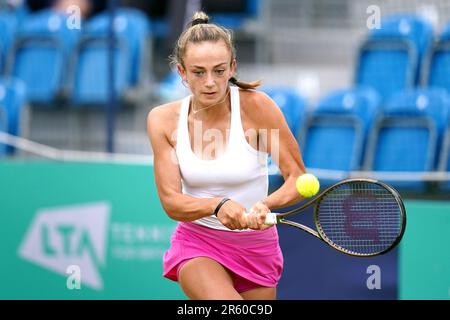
(253, 256)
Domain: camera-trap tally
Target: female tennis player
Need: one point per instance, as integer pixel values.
(210, 161)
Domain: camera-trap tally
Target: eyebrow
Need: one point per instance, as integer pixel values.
(200, 67)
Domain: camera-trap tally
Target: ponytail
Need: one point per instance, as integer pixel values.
(245, 85)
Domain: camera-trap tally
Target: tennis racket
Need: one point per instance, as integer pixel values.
(359, 217)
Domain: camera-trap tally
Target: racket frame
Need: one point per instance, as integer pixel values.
(319, 233)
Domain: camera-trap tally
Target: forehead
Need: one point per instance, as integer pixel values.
(206, 53)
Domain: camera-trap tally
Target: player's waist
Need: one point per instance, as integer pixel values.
(253, 237)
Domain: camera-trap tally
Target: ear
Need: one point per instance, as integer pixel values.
(233, 67)
(181, 71)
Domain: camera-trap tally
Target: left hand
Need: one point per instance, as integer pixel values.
(257, 216)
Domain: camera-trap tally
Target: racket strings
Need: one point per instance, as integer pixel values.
(360, 218)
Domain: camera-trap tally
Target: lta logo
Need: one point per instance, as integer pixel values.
(69, 236)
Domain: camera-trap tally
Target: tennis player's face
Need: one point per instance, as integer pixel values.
(208, 68)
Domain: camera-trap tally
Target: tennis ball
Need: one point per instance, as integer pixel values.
(307, 185)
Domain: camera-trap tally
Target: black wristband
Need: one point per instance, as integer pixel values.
(220, 205)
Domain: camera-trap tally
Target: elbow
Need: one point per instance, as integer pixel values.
(294, 174)
(174, 215)
(167, 203)
(172, 210)
(298, 170)
(293, 171)
(297, 174)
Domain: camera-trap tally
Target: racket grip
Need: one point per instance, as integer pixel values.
(271, 218)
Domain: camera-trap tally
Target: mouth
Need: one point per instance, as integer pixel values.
(209, 94)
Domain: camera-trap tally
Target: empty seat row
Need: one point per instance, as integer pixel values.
(60, 63)
(57, 61)
(351, 130)
(402, 54)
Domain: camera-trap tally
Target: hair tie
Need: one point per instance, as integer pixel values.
(233, 80)
(199, 21)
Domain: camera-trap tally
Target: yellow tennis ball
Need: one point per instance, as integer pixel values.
(307, 185)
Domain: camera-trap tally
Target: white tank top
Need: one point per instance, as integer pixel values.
(240, 173)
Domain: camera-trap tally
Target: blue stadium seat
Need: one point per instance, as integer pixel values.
(389, 59)
(409, 134)
(232, 20)
(437, 63)
(409, 27)
(40, 55)
(3, 125)
(12, 101)
(159, 27)
(335, 132)
(444, 159)
(89, 75)
(171, 88)
(8, 28)
(88, 84)
(445, 34)
(18, 8)
(237, 20)
(293, 106)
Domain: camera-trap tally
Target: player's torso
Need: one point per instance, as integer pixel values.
(209, 138)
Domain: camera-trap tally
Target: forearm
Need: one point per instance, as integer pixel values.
(285, 196)
(182, 207)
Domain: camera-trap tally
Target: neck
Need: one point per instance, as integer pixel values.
(208, 108)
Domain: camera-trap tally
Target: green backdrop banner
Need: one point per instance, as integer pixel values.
(425, 251)
(97, 231)
(82, 231)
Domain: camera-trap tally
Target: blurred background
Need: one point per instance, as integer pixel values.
(363, 85)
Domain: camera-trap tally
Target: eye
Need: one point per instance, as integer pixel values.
(198, 73)
(220, 71)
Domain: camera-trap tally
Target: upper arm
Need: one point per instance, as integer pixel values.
(166, 169)
(281, 143)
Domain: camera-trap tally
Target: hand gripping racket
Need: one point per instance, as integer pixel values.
(359, 217)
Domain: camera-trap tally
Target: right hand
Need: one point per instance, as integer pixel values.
(257, 216)
(233, 216)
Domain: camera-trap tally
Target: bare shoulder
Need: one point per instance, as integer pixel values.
(164, 112)
(163, 118)
(259, 108)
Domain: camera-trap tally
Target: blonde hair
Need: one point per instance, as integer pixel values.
(199, 30)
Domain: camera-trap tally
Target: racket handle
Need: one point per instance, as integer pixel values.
(271, 218)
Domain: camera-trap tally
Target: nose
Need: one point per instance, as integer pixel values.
(209, 82)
